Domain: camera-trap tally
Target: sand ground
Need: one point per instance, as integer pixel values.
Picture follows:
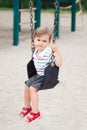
(62, 108)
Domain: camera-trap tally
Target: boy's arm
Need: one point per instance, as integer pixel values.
(58, 58)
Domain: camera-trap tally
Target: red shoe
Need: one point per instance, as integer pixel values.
(33, 117)
(25, 111)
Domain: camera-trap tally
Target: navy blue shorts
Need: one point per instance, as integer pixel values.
(35, 81)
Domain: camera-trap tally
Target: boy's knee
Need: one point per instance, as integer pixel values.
(32, 89)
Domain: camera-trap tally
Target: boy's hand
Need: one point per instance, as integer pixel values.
(32, 46)
(58, 59)
(54, 47)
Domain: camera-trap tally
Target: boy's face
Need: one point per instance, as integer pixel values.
(41, 42)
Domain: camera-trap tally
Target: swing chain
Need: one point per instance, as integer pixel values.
(31, 21)
(55, 20)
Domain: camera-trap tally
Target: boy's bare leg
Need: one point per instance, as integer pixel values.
(34, 99)
(26, 97)
(34, 114)
(26, 109)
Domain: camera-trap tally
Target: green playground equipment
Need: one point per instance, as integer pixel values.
(38, 3)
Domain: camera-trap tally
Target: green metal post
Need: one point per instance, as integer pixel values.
(38, 13)
(16, 23)
(73, 20)
(58, 15)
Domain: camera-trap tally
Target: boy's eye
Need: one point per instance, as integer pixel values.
(44, 41)
(38, 39)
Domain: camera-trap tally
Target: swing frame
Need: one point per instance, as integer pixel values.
(52, 71)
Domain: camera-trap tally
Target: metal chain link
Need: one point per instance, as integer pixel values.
(31, 21)
(55, 20)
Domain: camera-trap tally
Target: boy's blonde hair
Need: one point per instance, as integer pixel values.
(43, 31)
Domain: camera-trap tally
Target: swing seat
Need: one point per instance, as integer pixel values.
(50, 76)
(31, 69)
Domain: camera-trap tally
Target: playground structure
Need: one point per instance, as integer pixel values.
(37, 10)
(66, 16)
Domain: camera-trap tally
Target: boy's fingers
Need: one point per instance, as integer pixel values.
(32, 45)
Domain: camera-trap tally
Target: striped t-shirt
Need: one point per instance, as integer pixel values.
(42, 60)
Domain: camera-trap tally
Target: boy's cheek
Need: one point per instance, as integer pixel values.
(36, 45)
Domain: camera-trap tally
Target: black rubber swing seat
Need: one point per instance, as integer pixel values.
(50, 76)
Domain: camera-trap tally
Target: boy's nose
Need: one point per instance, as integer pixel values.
(41, 42)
